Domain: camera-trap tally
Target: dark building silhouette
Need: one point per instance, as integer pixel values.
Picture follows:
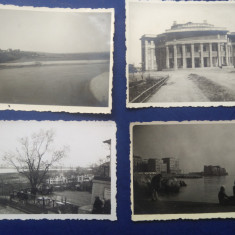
(214, 171)
(172, 165)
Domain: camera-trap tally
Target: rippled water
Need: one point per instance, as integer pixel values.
(204, 189)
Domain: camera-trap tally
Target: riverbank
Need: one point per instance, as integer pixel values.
(98, 85)
(148, 206)
(50, 63)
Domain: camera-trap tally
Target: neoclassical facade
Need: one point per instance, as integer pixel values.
(190, 45)
(148, 52)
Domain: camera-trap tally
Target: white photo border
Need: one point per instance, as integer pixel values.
(60, 108)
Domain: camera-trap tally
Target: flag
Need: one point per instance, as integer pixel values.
(107, 142)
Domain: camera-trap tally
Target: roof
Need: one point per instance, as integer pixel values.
(148, 36)
(190, 26)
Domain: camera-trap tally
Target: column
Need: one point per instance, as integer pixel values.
(184, 56)
(210, 54)
(175, 57)
(201, 55)
(219, 55)
(226, 54)
(156, 58)
(192, 55)
(146, 56)
(152, 58)
(167, 58)
(231, 53)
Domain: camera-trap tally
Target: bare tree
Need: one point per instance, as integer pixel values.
(35, 157)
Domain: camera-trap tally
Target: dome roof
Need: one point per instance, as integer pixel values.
(190, 26)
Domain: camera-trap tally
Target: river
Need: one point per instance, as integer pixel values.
(203, 189)
(61, 84)
(7, 170)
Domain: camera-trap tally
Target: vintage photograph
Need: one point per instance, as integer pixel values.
(58, 170)
(54, 59)
(180, 53)
(182, 170)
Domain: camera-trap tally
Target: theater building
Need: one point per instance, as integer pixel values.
(190, 45)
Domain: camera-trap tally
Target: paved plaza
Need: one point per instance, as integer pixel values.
(201, 85)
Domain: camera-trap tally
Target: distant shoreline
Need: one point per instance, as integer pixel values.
(50, 63)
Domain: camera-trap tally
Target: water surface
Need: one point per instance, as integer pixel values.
(203, 189)
(60, 84)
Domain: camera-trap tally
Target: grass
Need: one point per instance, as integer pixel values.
(213, 91)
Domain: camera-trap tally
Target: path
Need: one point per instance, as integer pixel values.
(198, 85)
(178, 89)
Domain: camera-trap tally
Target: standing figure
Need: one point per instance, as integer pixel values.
(223, 198)
(107, 207)
(97, 206)
(155, 186)
(234, 190)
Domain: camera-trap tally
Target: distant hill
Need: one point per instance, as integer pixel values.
(27, 56)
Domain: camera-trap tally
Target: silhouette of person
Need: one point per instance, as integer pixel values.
(223, 198)
(155, 186)
(107, 207)
(234, 189)
(97, 206)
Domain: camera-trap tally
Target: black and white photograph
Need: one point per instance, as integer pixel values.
(56, 59)
(180, 53)
(58, 170)
(182, 170)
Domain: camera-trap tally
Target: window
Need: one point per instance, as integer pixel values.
(179, 49)
(188, 48)
(214, 47)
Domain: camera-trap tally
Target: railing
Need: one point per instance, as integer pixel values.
(41, 204)
(149, 91)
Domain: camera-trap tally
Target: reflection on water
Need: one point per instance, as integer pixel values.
(204, 189)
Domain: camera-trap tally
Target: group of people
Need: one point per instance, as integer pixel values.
(224, 199)
(100, 207)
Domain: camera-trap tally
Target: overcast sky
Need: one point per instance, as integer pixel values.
(195, 145)
(84, 139)
(56, 32)
(154, 18)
